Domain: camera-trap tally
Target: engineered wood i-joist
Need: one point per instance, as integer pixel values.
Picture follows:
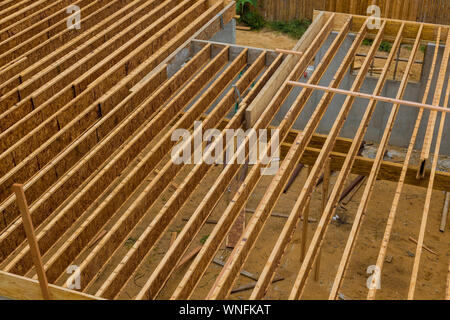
(142, 69)
(293, 157)
(429, 134)
(144, 136)
(48, 20)
(367, 193)
(14, 15)
(218, 237)
(71, 42)
(399, 189)
(136, 211)
(91, 51)
(118, 136)
(343, 176)
(200, 20)
(428, 30)
(16, 47)
(115, 200)
(93, 75)
(426, 209)
(168, 263)
(246, 242)
(12, 5)
(148, 238)
(228, 217)
(92, 111)
(312, 178)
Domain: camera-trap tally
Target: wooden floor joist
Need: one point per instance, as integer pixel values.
(429, 134)
(87, 119)
(393, 212)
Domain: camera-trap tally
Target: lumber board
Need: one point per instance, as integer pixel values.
(133, 214)
(255, 109)
(236, 205)
(428, 34)
(89, 77)
(22, 13)
(344, 173)
(21, 288)
(45, 19)
(139, 141)
(402, 179)
(428, 139)
(90, 114)
(426, 209)
(191, 181)
(225, 281)
(119, 135)
(69, 43)
(111, 204)
(307, 189)
(135, 255)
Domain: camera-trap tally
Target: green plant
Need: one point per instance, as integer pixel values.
(294, 28)
(242, 5)
(253, 19)
(385, 46)
(367, 42)
(204, 238)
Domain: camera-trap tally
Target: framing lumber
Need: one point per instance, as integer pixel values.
(428, 30)
(237, 203)
(445, 212)
(294, 155)
(424, 156)
(21, 288)
(392, 214)
(256, 108)
(426, 210)
(122, 133)
(136, 211)
(350, 159)
(307, 189)
(357, 222)
(434, 108)
(34, 247)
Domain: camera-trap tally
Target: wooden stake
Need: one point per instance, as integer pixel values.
(445, 212)
(325, 188)
(305, 227)
(424, 246)
(34, 247)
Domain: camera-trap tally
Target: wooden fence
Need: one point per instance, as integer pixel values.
(431, 11)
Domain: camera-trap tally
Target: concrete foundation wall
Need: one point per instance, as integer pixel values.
(406, 117)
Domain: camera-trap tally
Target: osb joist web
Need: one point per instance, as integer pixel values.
(86, 121)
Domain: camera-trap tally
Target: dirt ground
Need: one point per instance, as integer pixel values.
(265, 39)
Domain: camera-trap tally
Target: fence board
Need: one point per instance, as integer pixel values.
(430, 11)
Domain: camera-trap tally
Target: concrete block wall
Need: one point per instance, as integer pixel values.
(406, 117)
